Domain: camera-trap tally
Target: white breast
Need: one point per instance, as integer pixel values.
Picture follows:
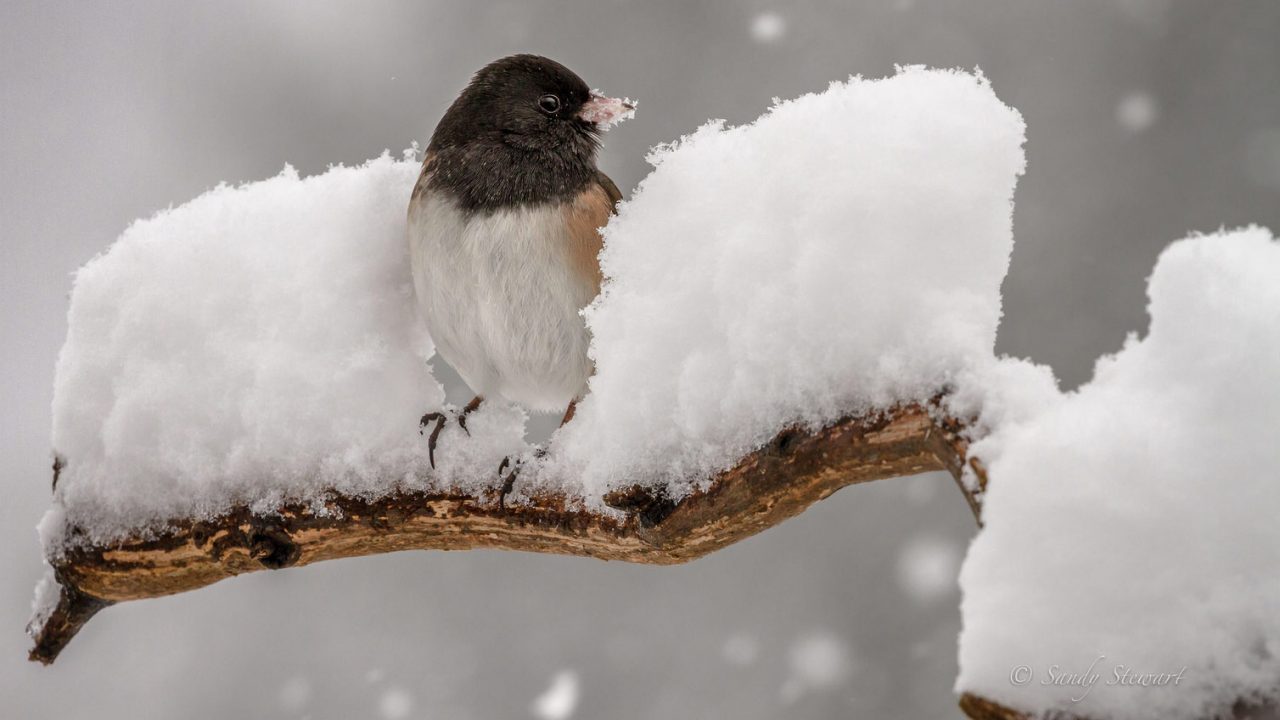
(501, 300)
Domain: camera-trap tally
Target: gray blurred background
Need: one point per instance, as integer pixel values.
(1146, 119)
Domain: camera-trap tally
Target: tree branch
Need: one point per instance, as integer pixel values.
(795, 470)
(980, 708)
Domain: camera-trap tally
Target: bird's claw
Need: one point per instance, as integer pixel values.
(467, 410)
(438, 418)
(509, 481)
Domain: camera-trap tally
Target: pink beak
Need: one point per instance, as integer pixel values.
(606, 112)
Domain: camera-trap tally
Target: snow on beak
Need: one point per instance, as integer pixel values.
(605, 112)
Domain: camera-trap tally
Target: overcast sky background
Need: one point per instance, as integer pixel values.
(1146, 120)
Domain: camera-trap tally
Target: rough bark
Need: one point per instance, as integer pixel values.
(795, 470)
(980, 708)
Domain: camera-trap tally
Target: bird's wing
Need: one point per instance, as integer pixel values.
(424, 177)
(615, 196)
(584, 217)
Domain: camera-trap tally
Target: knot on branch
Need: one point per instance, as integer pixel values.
(273, 547)
(786, 441)
(649, 505)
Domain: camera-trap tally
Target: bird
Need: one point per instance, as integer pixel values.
(504, 234)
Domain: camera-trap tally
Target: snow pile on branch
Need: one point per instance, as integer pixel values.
(254, 345)
(1131, 529)
(843, 252)
(259, 344)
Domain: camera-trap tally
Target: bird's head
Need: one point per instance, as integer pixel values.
(529, 102)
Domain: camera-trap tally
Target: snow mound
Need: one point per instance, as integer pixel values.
(1130, 528)
(257, 344)
(843, 252)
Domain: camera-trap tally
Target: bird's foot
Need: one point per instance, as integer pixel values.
(467, 410)
(439, 419)
(509, 481)
(568, 413)
(432, 417)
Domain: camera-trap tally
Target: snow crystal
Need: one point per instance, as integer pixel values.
(607, 112)
(294, 693)
(395, 704)
(1137, 112)
(258, 343)
(818, 661)
(740, 649)
(768, 27)
(927, 568)
(843, 252)
(560, 700)
(1130, 527)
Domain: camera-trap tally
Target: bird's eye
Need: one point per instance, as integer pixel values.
(549, 104)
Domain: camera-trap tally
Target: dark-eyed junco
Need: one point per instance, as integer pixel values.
(504, 232)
